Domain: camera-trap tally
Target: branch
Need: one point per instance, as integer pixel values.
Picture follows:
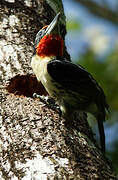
(101, 11)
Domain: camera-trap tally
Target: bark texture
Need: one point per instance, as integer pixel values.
(35, 143)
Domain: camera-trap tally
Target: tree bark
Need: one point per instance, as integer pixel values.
(35, 143)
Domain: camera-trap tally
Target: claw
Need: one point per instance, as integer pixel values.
(49, 101)
(35, 95)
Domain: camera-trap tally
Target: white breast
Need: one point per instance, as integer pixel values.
(39, 66)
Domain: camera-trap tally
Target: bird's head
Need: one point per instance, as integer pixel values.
(48, 40)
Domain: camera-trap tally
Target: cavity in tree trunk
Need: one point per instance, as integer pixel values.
(35, 143)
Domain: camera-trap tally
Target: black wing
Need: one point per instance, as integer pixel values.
(75, 78)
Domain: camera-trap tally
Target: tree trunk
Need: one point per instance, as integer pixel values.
(35, 143)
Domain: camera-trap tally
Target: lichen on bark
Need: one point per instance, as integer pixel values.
(35, 143)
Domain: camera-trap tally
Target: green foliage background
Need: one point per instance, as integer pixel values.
(105, 71)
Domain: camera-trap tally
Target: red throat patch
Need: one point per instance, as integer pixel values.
(50, 45)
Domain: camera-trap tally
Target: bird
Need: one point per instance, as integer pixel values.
(71, 86)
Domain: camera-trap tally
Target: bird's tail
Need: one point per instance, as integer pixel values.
(100, 120)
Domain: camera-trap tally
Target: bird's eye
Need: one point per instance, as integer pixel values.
(39, 33)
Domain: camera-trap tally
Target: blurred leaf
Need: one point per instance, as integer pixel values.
(73, 25)
(112, 73)
(114, 156)
(106, 74)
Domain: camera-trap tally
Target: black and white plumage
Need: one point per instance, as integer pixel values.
(76, 79)
(71, 86)
(80, 91)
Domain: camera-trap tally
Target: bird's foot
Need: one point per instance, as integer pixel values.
(49, 102)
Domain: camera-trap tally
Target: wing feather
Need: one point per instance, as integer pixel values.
(76, 79)
(73, 77)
